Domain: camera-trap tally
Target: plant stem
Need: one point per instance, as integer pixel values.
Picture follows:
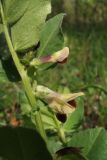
(23, 75)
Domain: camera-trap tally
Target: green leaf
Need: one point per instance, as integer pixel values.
(1, 28)
(0, 19)
(7, 62)
(51, 39)
(22, 144)
(93, 141)
(3, 77)
(11, 70)
(54, 144)
(4, 51)
(25, 110)
(26, 32)
(48, 119)
(15, 9)
(75, 118)
(25, 107)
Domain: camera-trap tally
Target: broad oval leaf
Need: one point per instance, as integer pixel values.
(14, 9)
(93, 142)
(51, 39)
(26, 32)
(22, 144)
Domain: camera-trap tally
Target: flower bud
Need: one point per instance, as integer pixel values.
(57, 57)
(60, 103)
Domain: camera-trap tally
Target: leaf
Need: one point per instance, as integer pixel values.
(75, 118)
(7, 62)
(22, 144)
(3, 77)
(1, 28)
(4, 51)
(51, 39)
(0, 19)
(25, 107)
(26, 32)
(48, 119)
(93, 141)
(11, 70)
(15, 9)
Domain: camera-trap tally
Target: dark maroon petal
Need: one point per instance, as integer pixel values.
(72, 103)
(64, 61)
(61, 117)
(69, 150)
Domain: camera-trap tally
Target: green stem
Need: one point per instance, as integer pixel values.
(23, 74)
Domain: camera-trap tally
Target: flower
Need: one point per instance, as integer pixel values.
(60, 103)
(57, 57)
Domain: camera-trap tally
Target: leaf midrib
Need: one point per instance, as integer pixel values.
(51, 35)
(94, 141)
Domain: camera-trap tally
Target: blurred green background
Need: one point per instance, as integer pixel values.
(85, 33)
